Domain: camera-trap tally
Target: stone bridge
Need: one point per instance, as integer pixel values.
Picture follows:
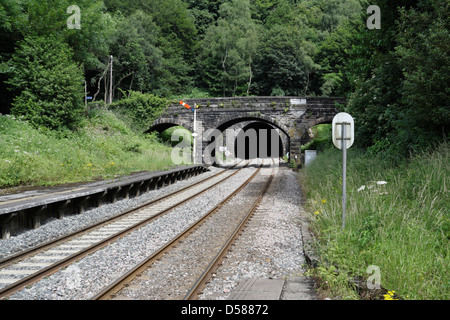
(291, 117)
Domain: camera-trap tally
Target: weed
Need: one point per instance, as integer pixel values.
(397, 219)
(104, 146)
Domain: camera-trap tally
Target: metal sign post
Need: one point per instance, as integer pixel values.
(343, 138)
(344, 172)
(194, 135)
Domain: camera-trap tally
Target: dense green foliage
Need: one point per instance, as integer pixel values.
(141, 109)
(399, 76)
(320, 138)
(397, 219)
(395, 78)
(48, 83)
(103, 147)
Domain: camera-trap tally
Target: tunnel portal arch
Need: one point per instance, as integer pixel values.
(275, 134)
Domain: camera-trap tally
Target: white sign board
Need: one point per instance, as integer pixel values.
(343, 134)
(298, 101)
(343, 119)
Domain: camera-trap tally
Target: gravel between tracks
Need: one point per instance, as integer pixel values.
(185, 263)
(85, 278)
(271, 246)
(55, 228)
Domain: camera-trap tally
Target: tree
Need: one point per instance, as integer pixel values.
(228, 50)
(336, 12)
(375, 76)
(424, 53)
(49, 18)
(399, 75)
(137, 58)
(205, 13)
(11, 16)
(284, 63)
(177, 40)
(48, 84)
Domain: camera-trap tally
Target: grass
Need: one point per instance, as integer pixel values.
(183, 135)
(321, 139)
(401, 226)
(104, 147)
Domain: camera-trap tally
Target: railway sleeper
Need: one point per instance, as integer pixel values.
(33, 217)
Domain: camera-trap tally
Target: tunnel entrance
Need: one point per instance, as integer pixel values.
(258, 140)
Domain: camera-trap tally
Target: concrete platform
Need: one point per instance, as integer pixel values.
(298, 288)
(258, 289)
(26, 209)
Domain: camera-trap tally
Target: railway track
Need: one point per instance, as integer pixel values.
(203, 263)
(26, 268)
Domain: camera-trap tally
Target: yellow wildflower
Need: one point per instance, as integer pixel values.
(324, 201)
(390, 295)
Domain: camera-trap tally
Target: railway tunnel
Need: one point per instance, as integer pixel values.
(242, 137)
(258, 140)
(247, 138)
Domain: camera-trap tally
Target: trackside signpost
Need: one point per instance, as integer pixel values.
(343, 134)
(194, 134)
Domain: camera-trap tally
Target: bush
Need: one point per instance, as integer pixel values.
(397, 219)
(142, 109)
(183, 133)
(104, 147)
(321, 140)
(48, 84)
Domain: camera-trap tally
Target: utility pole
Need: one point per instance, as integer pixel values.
(111, 81)
(85, 97)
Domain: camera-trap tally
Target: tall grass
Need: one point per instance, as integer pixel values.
(401, 226)
(104, 147)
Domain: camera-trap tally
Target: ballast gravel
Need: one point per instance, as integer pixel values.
(187, 261)
(87, 277)
(55, 228)
(271, 246)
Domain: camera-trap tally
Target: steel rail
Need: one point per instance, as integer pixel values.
(44, 272)
(111, 290)
(214, 264)
(25, 253)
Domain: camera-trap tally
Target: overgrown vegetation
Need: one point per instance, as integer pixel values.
(398, 75)
(48, 84)
(184, 137)
(141, 109)
(104, 147)
(320, 138)
(397, 219)
(395, 78)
